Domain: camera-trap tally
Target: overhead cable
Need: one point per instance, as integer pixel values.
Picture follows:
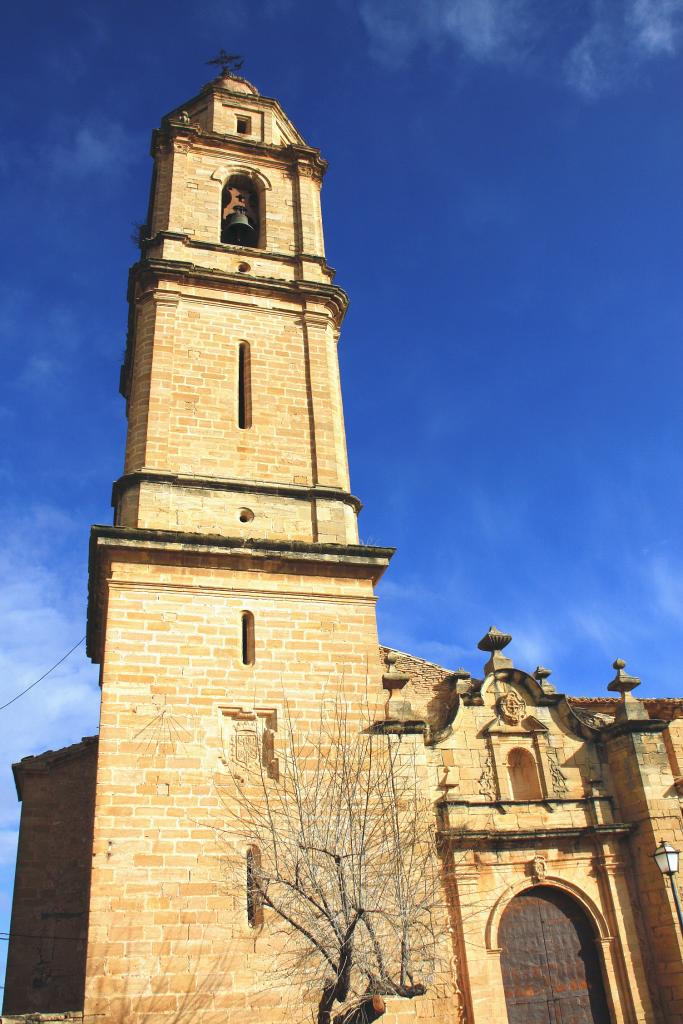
(44, 675)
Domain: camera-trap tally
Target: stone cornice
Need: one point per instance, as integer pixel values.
(288, 258)
(350, 560)
(45, 762)
(292, 156)
(500, 838)
(148, 272)
(581, 801)
(313, 493)
(665, 708)
(152, 269)
(296, 550)
(613, 732)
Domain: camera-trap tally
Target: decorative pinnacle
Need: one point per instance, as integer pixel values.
(494, 640)
(393, 680)
(622, 683)
(229, 63)
(460, 680)
(541, 675)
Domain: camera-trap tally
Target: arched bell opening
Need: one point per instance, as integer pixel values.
(523, 779)
(241, 213)
(551, 960)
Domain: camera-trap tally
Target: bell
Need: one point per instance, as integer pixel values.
(237, 230)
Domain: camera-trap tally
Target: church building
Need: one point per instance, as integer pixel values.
(229, 592)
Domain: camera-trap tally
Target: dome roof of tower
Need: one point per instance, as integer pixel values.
(235, 83)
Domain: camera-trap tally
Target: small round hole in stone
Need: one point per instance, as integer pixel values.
(246, 515)
(244, 268)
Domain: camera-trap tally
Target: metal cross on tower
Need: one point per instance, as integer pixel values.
(227, 62)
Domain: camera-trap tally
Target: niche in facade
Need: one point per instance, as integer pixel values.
(240, 212)
(523, 775)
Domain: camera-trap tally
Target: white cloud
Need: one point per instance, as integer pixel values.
(667, 584)
(483, 29)
(621, 37)
(655, 25)
(591, 66)
(42, 615)
(8, 846)
(82, 150)
(616, 37)
(51, 335)
(75, 149)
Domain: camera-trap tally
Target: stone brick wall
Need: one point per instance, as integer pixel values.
(46, 960)
(169, 938)
(645, 795)
(183, 417)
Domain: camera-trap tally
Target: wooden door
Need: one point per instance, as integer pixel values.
(550, 961)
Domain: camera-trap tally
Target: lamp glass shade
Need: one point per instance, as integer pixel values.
(666, 859)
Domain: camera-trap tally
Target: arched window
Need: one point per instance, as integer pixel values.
(523, 775)
(248, 640)
(240, 212)
(254, 893)
(244, 386)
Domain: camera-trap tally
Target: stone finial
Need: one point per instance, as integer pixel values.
(494, 641)
(622, 683)
(394, 681)
(541, 676)
(459, 681)
(629, 706)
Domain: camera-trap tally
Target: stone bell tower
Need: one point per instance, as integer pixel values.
(231, 374)
(233, 579)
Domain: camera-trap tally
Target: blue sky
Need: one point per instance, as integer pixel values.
(503, 206)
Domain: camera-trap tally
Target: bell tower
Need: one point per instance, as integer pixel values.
(235, 423)
(232, 581)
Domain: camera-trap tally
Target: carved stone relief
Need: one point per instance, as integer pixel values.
(539, 868)
(512, 708)
(557, 776)
(248, 739)
(487, 780)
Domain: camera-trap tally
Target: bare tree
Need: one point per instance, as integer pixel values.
(342, 858)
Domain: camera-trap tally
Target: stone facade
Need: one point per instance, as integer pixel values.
(232, 591)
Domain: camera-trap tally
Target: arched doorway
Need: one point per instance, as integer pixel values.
(550, 961)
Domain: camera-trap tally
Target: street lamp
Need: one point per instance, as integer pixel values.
(666, 859)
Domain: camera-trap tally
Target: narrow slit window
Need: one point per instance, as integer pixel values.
(248, 646)
(244, 386)
(254, 896)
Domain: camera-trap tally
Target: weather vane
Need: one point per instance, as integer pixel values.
(227, 62)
